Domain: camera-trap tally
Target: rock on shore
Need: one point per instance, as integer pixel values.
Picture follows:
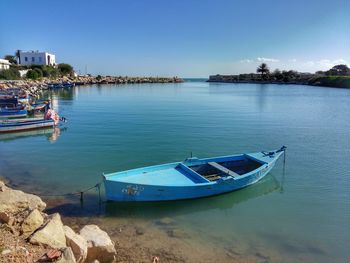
(15, 201)
(100, 246)
(23, 222)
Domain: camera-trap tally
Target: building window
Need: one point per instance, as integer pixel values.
(39, 59)
(33, 59)
(25, 58)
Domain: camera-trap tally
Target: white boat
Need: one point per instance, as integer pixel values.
(18, 125)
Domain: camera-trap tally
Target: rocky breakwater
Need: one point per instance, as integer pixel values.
(33, 87)
(27, 234)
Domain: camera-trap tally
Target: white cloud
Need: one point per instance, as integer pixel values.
(293, 60)
(325, 63)
(246, 61)
(267, 60)
(257, 60)
(339, 61)
(309, 63)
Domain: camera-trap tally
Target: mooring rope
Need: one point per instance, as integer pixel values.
(77, 193)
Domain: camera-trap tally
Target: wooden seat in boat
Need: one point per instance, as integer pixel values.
(223, 169)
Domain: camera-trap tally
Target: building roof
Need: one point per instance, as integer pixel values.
(4, 61)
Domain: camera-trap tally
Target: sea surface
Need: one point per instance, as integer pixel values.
(299, 213)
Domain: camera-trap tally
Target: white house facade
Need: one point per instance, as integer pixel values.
(4, 64)
(37, 58)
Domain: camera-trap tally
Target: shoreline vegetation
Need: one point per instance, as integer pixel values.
(337, 77)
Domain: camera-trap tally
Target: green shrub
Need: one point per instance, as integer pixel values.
(9, 74)
(65, 69)
(35, 73)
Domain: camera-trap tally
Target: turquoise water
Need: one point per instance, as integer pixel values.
(300, 215)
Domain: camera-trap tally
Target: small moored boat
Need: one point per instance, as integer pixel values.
(192, 178)
(25, 124)
(16, 112)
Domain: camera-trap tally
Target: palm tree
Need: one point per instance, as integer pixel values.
(264, 70)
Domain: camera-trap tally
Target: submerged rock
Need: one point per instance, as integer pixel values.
(51, 234)
(177, 233)
(33, 221)
(15, 201)
(100, 246)
(165, 221)
(77, 243)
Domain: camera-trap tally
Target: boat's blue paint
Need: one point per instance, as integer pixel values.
(12, 113)
(175, 181)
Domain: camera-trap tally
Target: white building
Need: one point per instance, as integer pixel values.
(4, 64)
(37, 58)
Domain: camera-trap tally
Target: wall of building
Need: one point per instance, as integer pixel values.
(4, 64)
(37, 58)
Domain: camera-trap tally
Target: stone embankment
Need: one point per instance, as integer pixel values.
(27, 234)
(35, 86)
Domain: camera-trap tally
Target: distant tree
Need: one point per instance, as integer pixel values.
(320, 72)
(10, 74)
(50, 71)
(264, 70)
(342, 70)
(99, 77)
(34, 74)
(65, 69)
(11, 59)
(277, 74)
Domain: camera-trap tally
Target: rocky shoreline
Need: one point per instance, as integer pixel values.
(27, 234)
(34, 86)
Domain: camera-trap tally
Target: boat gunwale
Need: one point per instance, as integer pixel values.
(264, 165)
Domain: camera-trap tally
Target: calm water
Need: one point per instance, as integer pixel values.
(300, 215)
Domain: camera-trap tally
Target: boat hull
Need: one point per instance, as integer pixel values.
(7, 127)
(8, 113)
(138, 192)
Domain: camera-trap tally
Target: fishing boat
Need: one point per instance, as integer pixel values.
(25, 124)
(13, 112)
(60, 85)
(192, 178)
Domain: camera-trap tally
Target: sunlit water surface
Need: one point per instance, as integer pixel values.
(300, 215)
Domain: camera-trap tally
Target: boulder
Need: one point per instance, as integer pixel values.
(100, 246)
(77, 243)
(15, 201)
(6, 218)
(51, 234)
(67, 256)
(33, 221)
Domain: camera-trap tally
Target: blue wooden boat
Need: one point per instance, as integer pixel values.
(13, 112)
(192, 178)
(19, 125)
(60, 85)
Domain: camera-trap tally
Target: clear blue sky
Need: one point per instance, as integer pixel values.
(183, 37)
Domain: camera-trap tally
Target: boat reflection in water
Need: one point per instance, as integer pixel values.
(150, 210)
(52, 134)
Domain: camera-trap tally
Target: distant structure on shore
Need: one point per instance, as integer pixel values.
(4, 64)
(36, 58)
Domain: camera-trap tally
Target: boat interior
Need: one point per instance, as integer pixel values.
(190, 172)
(213, 171)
